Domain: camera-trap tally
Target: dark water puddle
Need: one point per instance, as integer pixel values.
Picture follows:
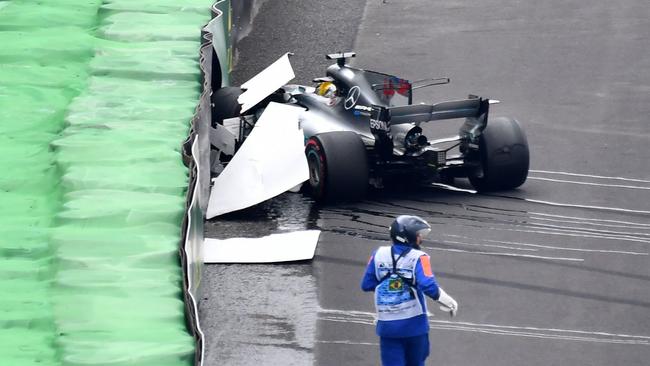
(285, 213)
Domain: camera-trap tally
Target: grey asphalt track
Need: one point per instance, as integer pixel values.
(556, 272)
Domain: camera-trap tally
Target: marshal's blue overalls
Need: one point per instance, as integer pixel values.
(402, 323)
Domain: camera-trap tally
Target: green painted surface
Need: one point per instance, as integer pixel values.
(95, 101)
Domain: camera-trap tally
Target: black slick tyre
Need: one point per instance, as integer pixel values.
(224, 104)
(504, 156)
(338, 167)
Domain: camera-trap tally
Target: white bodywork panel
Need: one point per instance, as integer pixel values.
(271, 161)
(284, 247)
(266, 82)
(232, 125)
(223, 139)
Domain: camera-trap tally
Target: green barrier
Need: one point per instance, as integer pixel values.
(42, 67)
(95, 100)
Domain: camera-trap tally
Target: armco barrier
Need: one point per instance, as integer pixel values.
(215, 63)
(190, 253)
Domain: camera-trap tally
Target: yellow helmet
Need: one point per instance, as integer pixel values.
(326, 89)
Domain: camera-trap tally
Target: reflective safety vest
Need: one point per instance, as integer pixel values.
(396, 296)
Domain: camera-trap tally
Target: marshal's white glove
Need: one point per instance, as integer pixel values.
(448, 303)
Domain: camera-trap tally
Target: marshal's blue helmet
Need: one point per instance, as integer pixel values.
(406, 228)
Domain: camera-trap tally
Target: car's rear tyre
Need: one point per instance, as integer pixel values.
(224, 103)
(504, 156)
(338, 167)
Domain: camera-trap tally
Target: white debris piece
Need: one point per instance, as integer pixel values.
(271, 161)
(266, 82)
(283, 247)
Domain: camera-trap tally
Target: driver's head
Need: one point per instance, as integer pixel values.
(409, 230)
(326, 89)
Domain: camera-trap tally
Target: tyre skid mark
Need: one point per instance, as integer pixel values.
(559, 204)
(521, 216)
(511, 220)
(506, 254)
(555, 229)
(585, 207)
(450, 242)
(580, 222)
(535, 229)
(355, 217)
(373, 235)
(550, 247)
(641, 225)
(532, 229)
(637, 180)
(368, 318)
(523, 228)
(604, 185)
(624, 234)
(571, 234)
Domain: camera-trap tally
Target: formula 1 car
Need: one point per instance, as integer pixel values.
(360, 129)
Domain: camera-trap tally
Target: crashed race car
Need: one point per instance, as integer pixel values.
(360, 129)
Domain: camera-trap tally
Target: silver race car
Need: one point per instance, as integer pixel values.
(360, 128)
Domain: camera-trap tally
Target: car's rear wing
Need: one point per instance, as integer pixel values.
(474, 109)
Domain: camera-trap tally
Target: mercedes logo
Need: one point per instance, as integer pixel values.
(352, 98)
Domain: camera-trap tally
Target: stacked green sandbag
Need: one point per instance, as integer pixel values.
(44, 55)
(95, 101)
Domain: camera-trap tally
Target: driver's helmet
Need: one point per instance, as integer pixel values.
(406, 228)
(326, 89)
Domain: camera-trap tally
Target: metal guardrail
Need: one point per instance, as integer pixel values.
(219, 36)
